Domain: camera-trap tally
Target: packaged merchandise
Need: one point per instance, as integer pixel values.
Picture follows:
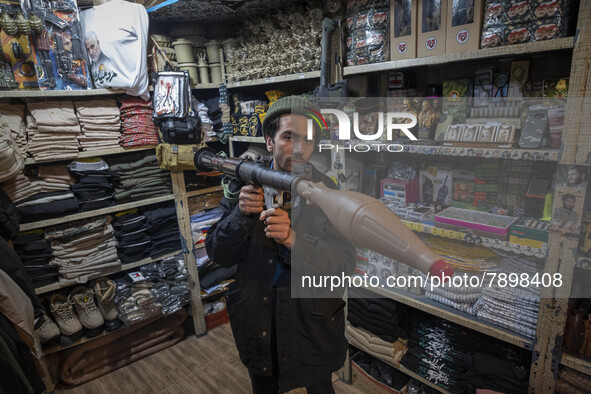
(431, 37)
(368, 32)
(403, 29)
(463, 25)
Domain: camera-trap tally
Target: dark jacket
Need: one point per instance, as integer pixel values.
(310, 331)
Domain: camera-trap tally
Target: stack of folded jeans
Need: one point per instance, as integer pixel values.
(372, 344)
(137, 127)
(139, 177)
(53, 130)
(13, 116)
(35, 253)
(376, 315)
(84, 250)
(100, 123)
(132, 233)
(94, 183)
(164, 230)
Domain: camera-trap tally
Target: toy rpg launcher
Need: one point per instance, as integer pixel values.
(361, 219)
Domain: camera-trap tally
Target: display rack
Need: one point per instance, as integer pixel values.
(93, 153)
(58, 93)
(277, 79)
(206, 190)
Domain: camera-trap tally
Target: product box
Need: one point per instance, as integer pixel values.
(476, 220)
(456, 97)
(403, 29)
(530, 232)
(216, 319)
(464, 19)
(432, 21)
(435, 185)
(463, 186)
(403, 191)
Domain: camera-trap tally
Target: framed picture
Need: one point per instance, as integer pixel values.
(505, 134)
(487, 133)
(470, 133)
(454, 132)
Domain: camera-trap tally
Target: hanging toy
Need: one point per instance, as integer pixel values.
(36, 23)
(22, 24)
(8, 24)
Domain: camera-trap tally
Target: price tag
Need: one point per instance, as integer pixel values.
(302, 76)
(270, 79)
(237, 83)
(136, 276)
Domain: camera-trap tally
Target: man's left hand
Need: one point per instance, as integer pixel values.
(278, 226)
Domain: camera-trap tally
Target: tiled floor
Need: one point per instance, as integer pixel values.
(208, 364)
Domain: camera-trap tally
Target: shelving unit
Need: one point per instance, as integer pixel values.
(205, 191)
(58, 93)
(124, 267)
(97, 212)
(95, 153)
(576, 363)
(277, 79)
(464, 319)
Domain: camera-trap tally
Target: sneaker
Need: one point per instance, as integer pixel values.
(83, 300)
(105, 290)
(65, 318)
(47, 331)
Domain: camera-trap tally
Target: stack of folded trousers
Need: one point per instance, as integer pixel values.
(35, 253)
(94, 183)
(132, 233)
(137, 127)
(39, 198)
(370, 343)
(100, 123)
(13, 116)
(84, 250)
(376, 315)
(139, 177)
(462, 298)
(164, 230)
(53, 129)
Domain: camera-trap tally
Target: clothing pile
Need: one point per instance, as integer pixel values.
(462, 298)
(201, 222)
(13, 115)
(164, 230)
(139, 177)
(53, 129)
(94, 183)
(35, 253)
(137, 127)
(131, 231)
(84, 250)
(100, 122)
(513, 308)
(42, 195)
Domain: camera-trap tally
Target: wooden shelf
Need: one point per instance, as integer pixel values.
(256, 140)
(98, 212)
(576, 363)
(58, 93)
(205, 191)
(124, 267)
(464, 319)
(95, 153)
(439, 150)
(504, 51)
(206, 86)
(277, 79)
(484, 241)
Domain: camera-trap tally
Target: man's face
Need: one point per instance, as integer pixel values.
(290, 145)
(569, 203)
(573, 177)
(94, 50)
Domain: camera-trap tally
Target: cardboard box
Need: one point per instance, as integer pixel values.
(432, 23)
(216, 319)
(403, 29)
(464, 21)
(435, 183)
(403, 191)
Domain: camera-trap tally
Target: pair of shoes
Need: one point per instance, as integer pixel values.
(88, 318)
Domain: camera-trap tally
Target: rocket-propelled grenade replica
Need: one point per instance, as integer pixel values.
(361, 219)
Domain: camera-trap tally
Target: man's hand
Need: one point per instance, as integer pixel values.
(278, 226)
(251, 200)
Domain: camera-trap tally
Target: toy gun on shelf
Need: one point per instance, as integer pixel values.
(359, 218)
(65, 64)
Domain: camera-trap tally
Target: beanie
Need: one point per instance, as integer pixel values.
(300, 105)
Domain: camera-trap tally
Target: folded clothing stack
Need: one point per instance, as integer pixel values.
(35, 253)
(43, 196)
(214, 112)
(462, 298)
(376, 315)
(139, 177)
(83, 250)
(206, 123)
(201, 223)
(94, 183)
(100, 123)
(164, 230)
(137, 127)
(53, 129)
(372, 344)
(132, 233)
(13, 116)
(212, 274)
(135, 302)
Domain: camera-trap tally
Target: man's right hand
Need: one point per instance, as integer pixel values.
(251, 200)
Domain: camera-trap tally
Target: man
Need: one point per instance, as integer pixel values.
(565, 217)
(576, 176)
(101, 65)
(284, 342)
